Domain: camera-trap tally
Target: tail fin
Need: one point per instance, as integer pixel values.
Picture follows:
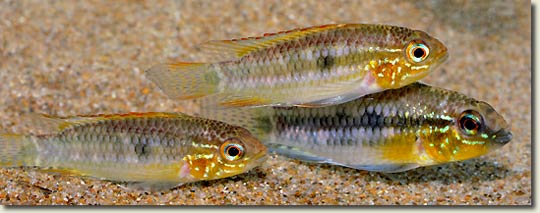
(16, 150)
(257, 120)
(184, 80)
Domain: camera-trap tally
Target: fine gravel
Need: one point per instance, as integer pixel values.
(89, 57)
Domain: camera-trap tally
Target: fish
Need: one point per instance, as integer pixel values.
(391, 131)
(153, 150)
(309, 67)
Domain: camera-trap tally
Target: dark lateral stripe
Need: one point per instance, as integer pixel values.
(142, 150)
(371, 120)
(325, 62)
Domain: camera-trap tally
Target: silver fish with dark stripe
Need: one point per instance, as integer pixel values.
(391, 131)
(314, 66)
(157, 150)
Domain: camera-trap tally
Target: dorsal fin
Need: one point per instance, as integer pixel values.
(48, 124)
(52, 124)
(237, 48)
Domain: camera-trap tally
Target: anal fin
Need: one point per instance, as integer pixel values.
(66, 172)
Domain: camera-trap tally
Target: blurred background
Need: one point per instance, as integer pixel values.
(88, 57)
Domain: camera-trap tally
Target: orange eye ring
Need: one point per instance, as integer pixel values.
(417, 51)
(232, 150)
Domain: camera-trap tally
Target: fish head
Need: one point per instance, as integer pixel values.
(240, 152)
(226, 151)
(476, 129)
(409, 57)
(481, 130)
(423, 54)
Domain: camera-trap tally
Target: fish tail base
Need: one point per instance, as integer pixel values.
(185, 80)
(16, 150)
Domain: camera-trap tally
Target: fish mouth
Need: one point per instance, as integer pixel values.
(444, 58)
(261, 157)
(258, 159)
(441, 59)
(502, 136)
(442, 54)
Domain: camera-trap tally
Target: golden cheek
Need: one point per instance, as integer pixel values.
(201, 166)
(438, 152)
(387, 75)
(453, 146)
(228, 168)
(439, 146)
(198, 168)
(470, 149)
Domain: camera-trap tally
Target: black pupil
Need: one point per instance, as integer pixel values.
(470, 124)
(233, 151)
(418, 53)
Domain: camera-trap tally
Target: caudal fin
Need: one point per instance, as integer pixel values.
(16, 150)
(184, 80)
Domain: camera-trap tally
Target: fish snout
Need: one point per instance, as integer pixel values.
(502, 137)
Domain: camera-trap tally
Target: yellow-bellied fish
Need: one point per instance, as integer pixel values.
(151, 149)
(315, 66)
(391, 131)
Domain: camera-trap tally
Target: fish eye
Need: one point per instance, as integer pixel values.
(232, 150)
(470, 122)
(417, 51)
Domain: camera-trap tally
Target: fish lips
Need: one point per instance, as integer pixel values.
(502, 137)
(258, 160)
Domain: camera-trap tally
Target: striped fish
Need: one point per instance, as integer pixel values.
(151, 150)
(391, 131)
(311, 67)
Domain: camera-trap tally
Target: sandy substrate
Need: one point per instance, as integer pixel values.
(88, 57)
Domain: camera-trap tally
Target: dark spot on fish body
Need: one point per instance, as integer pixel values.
(388, 121)
(325, 62)
(142, 150)
(326, 121)
(247, 70)
(348, 142)
(380, 121)
(213, 78)
(365, 120)
(335, 121)
(373, 119)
